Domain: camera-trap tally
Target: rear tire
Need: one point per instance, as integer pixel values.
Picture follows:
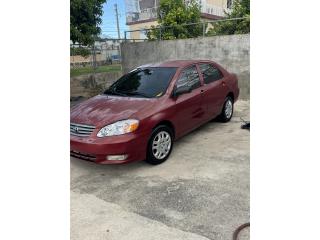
(160, 145)
(227, 110)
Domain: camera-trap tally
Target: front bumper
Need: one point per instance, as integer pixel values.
(96, 149)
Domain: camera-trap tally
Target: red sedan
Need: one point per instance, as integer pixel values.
(141, 115)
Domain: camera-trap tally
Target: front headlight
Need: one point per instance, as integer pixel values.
(119, 128)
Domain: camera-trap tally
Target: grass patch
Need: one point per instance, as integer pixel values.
(87, 70)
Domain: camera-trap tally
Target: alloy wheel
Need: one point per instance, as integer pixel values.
(161, 145)
(228, 109)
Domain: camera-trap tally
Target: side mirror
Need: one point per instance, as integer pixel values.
(181, 90)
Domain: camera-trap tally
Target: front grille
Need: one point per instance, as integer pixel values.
(83, 156)
(81, 130)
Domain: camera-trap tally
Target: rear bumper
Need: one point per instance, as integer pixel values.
(98, 149)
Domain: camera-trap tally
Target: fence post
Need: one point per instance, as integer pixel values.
(120, 53)
(72, 54)
(95, 57)
(203, 29)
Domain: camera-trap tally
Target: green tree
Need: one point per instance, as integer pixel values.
(79, 51)
(240, 9)
(85, 18)
(173, 15)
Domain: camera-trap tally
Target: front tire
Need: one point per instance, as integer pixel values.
(160, 145)
(227, 110)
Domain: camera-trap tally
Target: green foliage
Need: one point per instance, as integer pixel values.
(79, 51)
(172, 17)
(85, 17)
(240, 9)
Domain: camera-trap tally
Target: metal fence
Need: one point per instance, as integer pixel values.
(104, 52)
(191, 30)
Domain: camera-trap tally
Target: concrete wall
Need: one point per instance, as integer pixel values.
(91, 85)
(78, 58)
(232, 52)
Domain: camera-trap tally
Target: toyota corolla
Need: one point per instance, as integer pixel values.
(141, 115)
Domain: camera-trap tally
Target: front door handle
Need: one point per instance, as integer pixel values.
(202, 90)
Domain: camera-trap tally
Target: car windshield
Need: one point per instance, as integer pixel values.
(145, 82)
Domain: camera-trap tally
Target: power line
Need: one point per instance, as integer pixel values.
(112, 28)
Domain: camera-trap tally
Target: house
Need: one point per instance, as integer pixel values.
(142, 14)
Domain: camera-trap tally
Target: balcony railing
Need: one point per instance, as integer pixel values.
(213, 10)
(151, 13)
(145, 14)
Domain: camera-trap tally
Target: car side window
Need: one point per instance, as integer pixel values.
(210, 73)
(189, 77)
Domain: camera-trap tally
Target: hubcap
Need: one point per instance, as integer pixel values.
(228, 108)
(161, 145)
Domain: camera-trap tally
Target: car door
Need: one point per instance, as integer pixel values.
(214, 89)
(189, 108)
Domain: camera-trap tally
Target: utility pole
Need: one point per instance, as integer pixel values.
(117, 18)
(118, 29)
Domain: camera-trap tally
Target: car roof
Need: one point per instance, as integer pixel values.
(174, 63)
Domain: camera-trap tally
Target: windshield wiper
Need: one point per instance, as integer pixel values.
(136, 94)
(113, 92)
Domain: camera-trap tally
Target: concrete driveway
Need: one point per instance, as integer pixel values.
(201, 192)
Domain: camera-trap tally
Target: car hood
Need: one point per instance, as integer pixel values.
(105, 109)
